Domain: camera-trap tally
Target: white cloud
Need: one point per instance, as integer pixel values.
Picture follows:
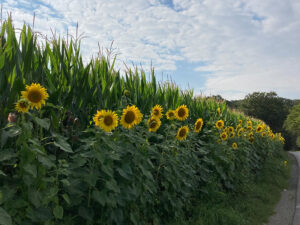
(246, 45)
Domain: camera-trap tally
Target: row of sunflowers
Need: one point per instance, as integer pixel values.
(35, 96)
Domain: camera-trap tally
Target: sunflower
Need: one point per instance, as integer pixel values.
(259, 128)
(231, 134)
(22, 106)
(154, 123)
(198, 125)
(36, 95)
(219, 141)
(182, 112)
(234, 145)
(251, 139)
(170, 114)
(230, 129)
(224, 136)
(182, 133)
(239, 133)
(219, 111)
(263, 134)
(241, 122)
(238, 127)
(250, 128)
(249, 123)
(131, 116)
(157, 111)
(107, 120)
(220, 124)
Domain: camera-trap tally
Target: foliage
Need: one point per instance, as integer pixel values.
(57, 167)
(292, 122)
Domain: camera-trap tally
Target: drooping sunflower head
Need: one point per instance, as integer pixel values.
(219, 111)
(241, 122)
(231, 134)
(22, 106)
(224, 136)
(107, 120)
(259, 128)
(131, 116)
(249, 128)
(182, 112)
(230, 129)
(198, 125)
(182, 133)
(154, 123)
(220, 124)
(170, 114)
(36, 95)
(234, 145)
(157, 111)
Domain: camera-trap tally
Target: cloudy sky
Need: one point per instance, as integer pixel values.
(226, 47)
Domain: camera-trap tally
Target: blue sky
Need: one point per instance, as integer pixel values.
(225, 47)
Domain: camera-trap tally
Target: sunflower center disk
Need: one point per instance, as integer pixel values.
(156, 112)
(108, 120)
(181, 112)
(129, 117)
(153, 124)
(182, 133)
(198, 126)
(34, 96)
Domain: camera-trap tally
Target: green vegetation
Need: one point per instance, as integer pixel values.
(57, 167)
(270, 108)
(292, 123)
(252, 205)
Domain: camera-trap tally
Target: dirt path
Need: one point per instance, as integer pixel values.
(285, 208)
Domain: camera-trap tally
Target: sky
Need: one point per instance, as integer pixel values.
(216, 47)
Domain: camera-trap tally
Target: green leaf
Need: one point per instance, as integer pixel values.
(31, 169)
(113, 186)
(45, 161)
(2, 173)
(7, 154)
(44, 123)
(58, 212)
(100, 197)
(63, 144)
(66, 198)
(5, 218)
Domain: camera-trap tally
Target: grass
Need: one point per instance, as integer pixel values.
(253, 204)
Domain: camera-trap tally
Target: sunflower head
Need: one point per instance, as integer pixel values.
(182, 112)
(231, 134)
(220, 124)
(36, 95)
(170, 114)
(259, 128)
(230, 129)
(224, 136)
(131, 116)
(182, 133)
(241, 122)
(263, 134)
(219, 111)
(198, 125)
(251, 139)
(239, 133)
(234, 145)
(157, 111)
(249, 123)
(22, 106)
(107, 120)
(154, 123)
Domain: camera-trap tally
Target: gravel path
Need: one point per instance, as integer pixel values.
(285, 208)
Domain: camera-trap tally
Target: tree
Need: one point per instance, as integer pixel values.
(292, 122)
(268, 107)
